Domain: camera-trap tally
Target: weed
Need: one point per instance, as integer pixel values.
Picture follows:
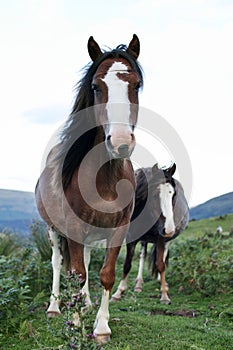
(72, 329)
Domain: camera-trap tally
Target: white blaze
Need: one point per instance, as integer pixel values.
(118, 104)
(166, 194)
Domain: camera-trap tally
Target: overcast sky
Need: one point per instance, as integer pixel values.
(186, 55)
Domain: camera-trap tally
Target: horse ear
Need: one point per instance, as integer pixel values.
(155, 169)
(93, 49)
(134, 47)
(172, 169)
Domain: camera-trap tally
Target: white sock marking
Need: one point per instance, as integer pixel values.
(85, 289)
(56, 265)
(139, 278)
(101, 322)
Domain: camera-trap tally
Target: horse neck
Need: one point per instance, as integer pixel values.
(109, 169)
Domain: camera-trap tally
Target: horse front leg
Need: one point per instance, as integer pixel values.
(85, 289)
(102, 330)
(53, 309)
(123, 285)
(162, 251)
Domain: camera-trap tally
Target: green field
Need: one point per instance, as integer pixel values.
(200, 277)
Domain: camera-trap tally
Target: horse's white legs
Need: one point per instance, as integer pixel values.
(139, 279)
(85, 289)
(164, 286)
(123, 285)
(53, 309)
(101, 328)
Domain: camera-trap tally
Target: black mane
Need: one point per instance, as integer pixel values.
(75, 142)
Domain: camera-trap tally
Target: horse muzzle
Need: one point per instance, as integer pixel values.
(168, 233)
(120, 147)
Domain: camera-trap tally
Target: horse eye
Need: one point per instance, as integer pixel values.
(95, 87)
(137, 86)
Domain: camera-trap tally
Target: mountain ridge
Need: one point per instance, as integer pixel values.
(217, 206)
(18, 209)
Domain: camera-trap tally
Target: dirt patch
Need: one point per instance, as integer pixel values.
(181, 313)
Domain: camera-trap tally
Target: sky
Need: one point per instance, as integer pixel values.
(186, 55)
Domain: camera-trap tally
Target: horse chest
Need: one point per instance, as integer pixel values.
(102, 218)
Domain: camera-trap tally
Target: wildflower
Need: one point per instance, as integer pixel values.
(80, 278)
(70, 304)
(76, 319)
(96, 301)
(91, 336)
(78, 297)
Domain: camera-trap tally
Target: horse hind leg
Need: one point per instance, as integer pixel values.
(53, 309)
(161, 268)
(139, 279)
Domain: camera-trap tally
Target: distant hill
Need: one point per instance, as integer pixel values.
(17, 210)
(217, 206)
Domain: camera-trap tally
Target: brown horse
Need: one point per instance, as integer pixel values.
(166, 210)
(86, 190)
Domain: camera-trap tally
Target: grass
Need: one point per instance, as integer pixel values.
(200, 316)
(199, 227)
(140, 322)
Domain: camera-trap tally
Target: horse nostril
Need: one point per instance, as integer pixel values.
(109, 143)
(132, 137)
(123, 151)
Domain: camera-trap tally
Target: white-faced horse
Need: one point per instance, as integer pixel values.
(167, 211)
(86, 191)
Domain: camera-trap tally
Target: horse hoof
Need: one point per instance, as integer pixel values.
(165, 302)
(138, 289)
(102, 338)
(51, 314)
(86, 308)
(113, 299)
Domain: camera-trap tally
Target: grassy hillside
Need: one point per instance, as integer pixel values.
(197, 228)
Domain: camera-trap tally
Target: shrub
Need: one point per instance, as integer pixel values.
(8, 244)
(41, 240)
(23, 278)
(204, 264)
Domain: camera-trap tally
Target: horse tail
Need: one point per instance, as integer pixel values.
(153, 260)
(145, 246)
(145, 251)
(65, 252)
(167, 258)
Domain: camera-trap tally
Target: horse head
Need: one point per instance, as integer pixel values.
(164, 189)
(115, 85)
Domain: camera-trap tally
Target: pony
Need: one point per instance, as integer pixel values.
(86, 190)
(168, 214)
